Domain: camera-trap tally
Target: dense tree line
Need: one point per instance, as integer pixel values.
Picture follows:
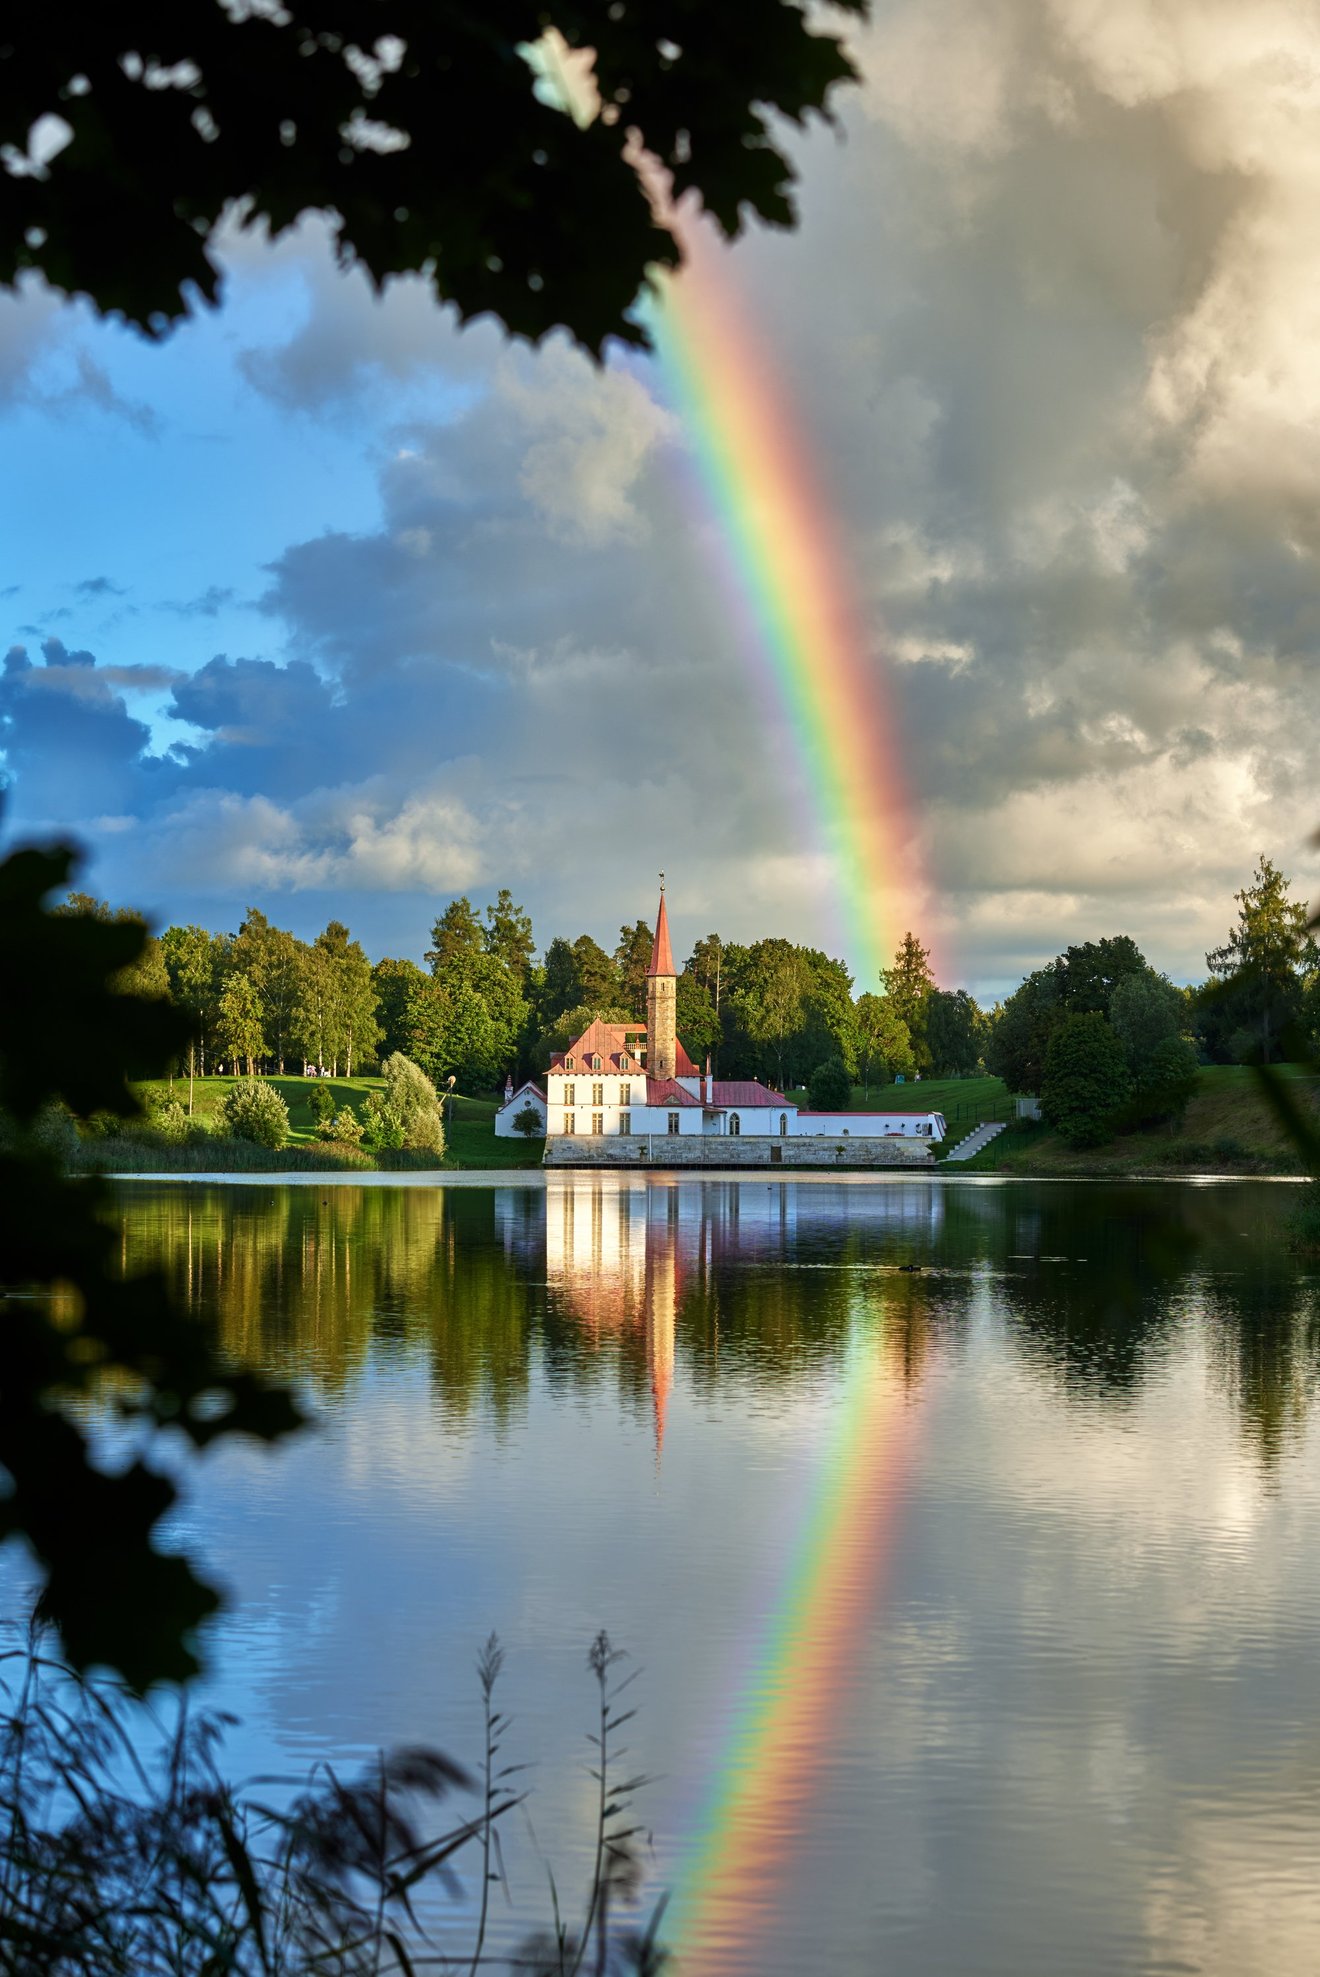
(484, 1006)
(1106, 1041)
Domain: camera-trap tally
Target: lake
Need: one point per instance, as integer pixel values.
(964, 1535)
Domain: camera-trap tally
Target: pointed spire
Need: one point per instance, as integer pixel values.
(662, 954)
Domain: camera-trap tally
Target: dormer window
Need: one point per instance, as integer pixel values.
(595, 1061)
(569, 1065)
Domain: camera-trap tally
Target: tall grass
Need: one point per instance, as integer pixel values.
(126, 1852)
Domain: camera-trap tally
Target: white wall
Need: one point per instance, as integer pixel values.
(508, 1112)
(870, 1125)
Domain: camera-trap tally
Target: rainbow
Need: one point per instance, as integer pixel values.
(808, 651)
(800, 1682)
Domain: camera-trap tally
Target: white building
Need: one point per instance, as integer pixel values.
(633, 1080)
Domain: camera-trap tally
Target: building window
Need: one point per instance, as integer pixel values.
(673, 1122)
(625, 1092)
(625, 1122)
(598, 1094)
(570, 1094)
(569, 1126)
(598, 1122)
(623, 1062)
(595, 1063)
(735, 1124)
(569, 1065)
(783, 1125)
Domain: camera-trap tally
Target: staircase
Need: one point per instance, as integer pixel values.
(978, 1137)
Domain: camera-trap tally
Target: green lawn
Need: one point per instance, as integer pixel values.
(469, 1122)
(209, 1096)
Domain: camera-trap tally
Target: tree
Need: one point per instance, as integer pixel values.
(597, 977)
(457, 932)
(632, 959)
(771, 997)
(1086, 1079)
(268, 956)
(829, 1020)
(509, 936)
(348, 999)
(1254, 1007)
(908, 985)
(560, 988)
(475, 1026)
(695, 1018)
(238, 1031)
(426, 136)
(1087, 976)
(528, 1121)
(953, 1032)
(395, 983)
(1166, 1082)
(884, 1048)
(90, 1512)
(1019, 1040)
(193, 964)
(1145, 1010)
(705, 964)
(830, 1088)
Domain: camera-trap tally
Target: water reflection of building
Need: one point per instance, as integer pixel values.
(624, 1255)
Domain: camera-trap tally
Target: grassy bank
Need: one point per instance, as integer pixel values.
(470, 1140)
(1227, 1129)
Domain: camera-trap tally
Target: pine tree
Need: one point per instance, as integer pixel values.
(1260, 972)
(908, 985)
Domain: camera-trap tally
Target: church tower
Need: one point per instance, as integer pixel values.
(661, 1006)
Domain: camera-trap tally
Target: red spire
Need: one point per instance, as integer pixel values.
(662, 955)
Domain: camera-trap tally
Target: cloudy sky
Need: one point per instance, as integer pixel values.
(325, 607)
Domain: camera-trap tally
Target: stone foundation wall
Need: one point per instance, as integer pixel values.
(678, 1150)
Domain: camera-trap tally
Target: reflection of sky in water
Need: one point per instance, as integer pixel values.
(1084, 1733)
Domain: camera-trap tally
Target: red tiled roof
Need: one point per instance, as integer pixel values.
(608, 1041)
(885, 1112)
(662, 955)
(668, 1091)
(612, 1042)
(744, 1091)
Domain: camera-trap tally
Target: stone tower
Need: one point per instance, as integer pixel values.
(661, 1008)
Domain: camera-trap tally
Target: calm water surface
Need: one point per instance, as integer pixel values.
(978, 1606)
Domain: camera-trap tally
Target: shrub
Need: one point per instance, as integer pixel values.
(528, 1121)
(830, 1087)
(381, 1125)
(253, 1110)
(410, 1100)
(1086, 1080)
(345, 1127)
(171, 1122)
(321, 1105)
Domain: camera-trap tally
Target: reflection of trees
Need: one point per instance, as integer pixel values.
(1266, 1350)
(749, 1286)
(314, 1284)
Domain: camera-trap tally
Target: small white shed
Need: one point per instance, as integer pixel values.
(528, 1093)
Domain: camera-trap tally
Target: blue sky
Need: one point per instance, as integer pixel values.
(322, 606)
